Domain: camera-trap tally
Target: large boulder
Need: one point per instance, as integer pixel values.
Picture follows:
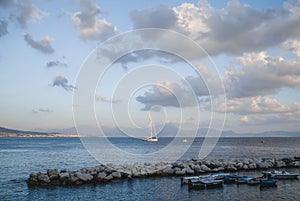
(116, 175)
(52, 174)
(180, 172)
(101, 176)
(64, 175)
(43, 179)
(188, 170)
(205, 168)
(84, 177)
(168, 170)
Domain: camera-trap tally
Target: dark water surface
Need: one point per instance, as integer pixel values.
(20, 156)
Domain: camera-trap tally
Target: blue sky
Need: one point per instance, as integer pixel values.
(254, 44)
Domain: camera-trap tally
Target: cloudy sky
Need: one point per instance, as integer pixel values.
(254, 45)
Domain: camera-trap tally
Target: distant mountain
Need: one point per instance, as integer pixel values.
(169, 130)
(7, 132)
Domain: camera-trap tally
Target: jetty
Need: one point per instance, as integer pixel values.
(112, 172)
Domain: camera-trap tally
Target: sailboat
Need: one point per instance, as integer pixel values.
(152, 138)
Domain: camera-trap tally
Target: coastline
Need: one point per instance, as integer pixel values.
(112, 172)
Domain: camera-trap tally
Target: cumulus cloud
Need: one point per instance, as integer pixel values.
(259, 74)
(256, 105)
(288, 120)
(3, 28)
(161, 16)
(43, 45)
(88, 24)
(235, 29)
(61, 81)
(22, 11)
(51, 64)
(293, 46)
(172, 94)
(106, 100)
(43, 110)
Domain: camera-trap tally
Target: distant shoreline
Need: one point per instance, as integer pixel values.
(10, 135)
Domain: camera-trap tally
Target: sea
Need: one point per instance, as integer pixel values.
(21, 156)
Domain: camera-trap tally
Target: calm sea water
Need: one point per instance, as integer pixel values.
(20, 156)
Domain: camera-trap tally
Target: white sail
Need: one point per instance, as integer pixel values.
(153, 137)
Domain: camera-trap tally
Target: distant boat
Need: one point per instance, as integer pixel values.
(153, 137)
(185, 140)
(280, 174)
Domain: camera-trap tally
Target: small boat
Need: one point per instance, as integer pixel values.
(268, 183)
(280, 174)
(244, 179)
(185, 140)
(211, 183)
(193, 179)
(254, 181)
(220, 176)
(195, 185)
(230, 179)
(152, 139)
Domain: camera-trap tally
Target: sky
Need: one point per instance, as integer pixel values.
(253, 50)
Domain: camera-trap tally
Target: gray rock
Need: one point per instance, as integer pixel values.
(231, 167)
(240, 165)
(53, 174)
(265, 164)
(188, 170)
(168, 170)
(116, 175)
(197, 168)
(64, 175)
(101, 176)
(109, 177)
(205, 168)
(43, 178)
(84, 177)
(252, 166)
(73, 179)
(280, 164)
(245, 166)
(296, 164)
(180, 172)
(135, 172)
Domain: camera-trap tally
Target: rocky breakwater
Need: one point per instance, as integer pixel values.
(111, 172)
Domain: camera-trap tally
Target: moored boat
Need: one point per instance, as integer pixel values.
(212, 183)
(230, 179)
(254, 181)
(280, 174)
(193, 179)
(244, 179)
(195, 185)
(268, 183)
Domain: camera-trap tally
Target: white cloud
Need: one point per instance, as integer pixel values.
(43, 45)
(43, 110)
(256, 105)
(23, 11)
(61, 81)
(293, 46)
(3, 28)
(235, 29)
(258, 74)
(161, 16)
(89, 26)
(107, 100)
